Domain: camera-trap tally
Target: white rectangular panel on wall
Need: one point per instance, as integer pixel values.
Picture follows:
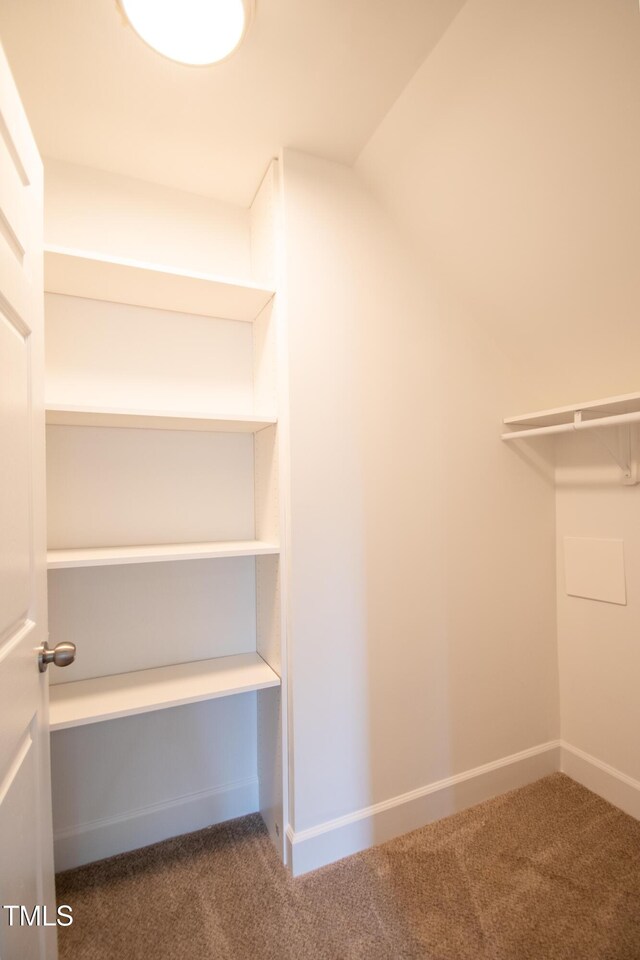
(594, 569)
(111, 487)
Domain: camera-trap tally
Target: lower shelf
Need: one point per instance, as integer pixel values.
(106, 698)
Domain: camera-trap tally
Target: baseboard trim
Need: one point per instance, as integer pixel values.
(97, 839)
(599, 777)
(335, 839)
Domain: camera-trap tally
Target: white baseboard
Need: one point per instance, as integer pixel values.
(98, 839)
(335, 839)
(610, 784)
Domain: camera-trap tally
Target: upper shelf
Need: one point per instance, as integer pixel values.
(156, 553)
(79, 273)
(75, 416)
(578, 416)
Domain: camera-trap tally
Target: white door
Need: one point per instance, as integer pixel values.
(26, 857)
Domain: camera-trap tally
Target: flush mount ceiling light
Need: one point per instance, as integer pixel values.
(196, 32)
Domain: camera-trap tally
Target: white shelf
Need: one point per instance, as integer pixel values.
(105, 698)
(78, 416)
(612, 411)
(628, 403)
(156, 553)
(80, 273)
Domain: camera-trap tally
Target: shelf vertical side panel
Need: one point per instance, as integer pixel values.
(271, 704)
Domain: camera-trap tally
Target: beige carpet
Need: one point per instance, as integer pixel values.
(549, 872)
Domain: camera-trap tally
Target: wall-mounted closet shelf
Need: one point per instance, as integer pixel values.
(77, 416)
(612, 411)
(156, 553)
(106, 698)
(79, 273)
(594, 415)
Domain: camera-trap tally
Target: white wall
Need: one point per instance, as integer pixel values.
(599, 643)
(512, 161)
(126, 783)
(422, 614)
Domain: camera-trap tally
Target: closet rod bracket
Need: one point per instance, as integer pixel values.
(625, 451)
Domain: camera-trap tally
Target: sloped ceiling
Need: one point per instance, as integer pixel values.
(513, 159)
(315, 75)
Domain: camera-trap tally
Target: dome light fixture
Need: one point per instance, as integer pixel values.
(195, 32)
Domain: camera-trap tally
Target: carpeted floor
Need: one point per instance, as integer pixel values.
(549, 872)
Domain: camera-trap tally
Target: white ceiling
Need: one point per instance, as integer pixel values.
(315, 75)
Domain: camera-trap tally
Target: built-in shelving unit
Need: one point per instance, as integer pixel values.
(80, 273)
(107, 698)
(77, 416)
(156, 553)
(163, 445)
